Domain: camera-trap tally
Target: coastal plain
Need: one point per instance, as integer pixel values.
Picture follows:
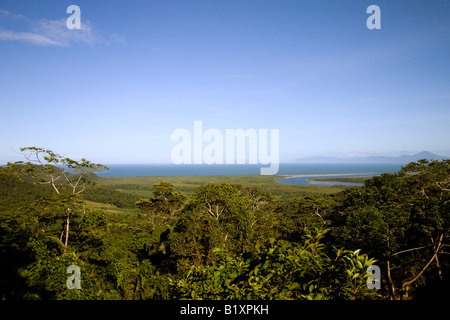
(143, 186)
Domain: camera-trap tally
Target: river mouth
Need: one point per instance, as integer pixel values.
(307, 179)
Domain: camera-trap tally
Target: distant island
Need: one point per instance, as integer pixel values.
(403, 159)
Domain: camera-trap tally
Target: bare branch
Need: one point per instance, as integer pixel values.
(317, 213)
(76, 184)
(412, 249)
(429, 262)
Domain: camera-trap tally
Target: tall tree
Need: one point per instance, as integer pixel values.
(164, 205)
(228, 216)
(66, 176)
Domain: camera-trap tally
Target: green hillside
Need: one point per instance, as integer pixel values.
(225, 237)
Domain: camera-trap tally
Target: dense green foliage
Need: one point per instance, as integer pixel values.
(403, 220)
(226, 241)
(280, 270)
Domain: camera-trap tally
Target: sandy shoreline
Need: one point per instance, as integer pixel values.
(322, 175)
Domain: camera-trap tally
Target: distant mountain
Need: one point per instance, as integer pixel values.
(403, 159)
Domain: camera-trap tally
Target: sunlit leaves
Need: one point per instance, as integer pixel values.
(280, 270)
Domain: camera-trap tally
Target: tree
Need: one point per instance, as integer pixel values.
(225, 215)
(301, 213)
(429, 184)
(403, 220)
(280, 270)
(164, 205)
(66, 176)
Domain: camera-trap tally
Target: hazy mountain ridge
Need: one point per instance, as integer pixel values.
(403, 159)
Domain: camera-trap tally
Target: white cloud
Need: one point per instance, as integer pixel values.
(54, 32)
(57, 31)
(27, 37)
(7, 14)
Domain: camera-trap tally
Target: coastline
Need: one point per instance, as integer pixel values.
(308, 179)
(285, 170)
(324, 175)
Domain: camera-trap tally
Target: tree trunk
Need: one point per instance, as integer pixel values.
(66, 241)
(438, 265)
(391, 283)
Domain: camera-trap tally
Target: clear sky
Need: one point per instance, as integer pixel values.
(115, 90)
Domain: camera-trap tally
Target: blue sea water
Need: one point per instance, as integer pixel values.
(135, 170)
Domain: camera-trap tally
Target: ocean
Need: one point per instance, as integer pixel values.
(136, 170)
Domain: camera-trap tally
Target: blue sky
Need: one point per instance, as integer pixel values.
(114, 91)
